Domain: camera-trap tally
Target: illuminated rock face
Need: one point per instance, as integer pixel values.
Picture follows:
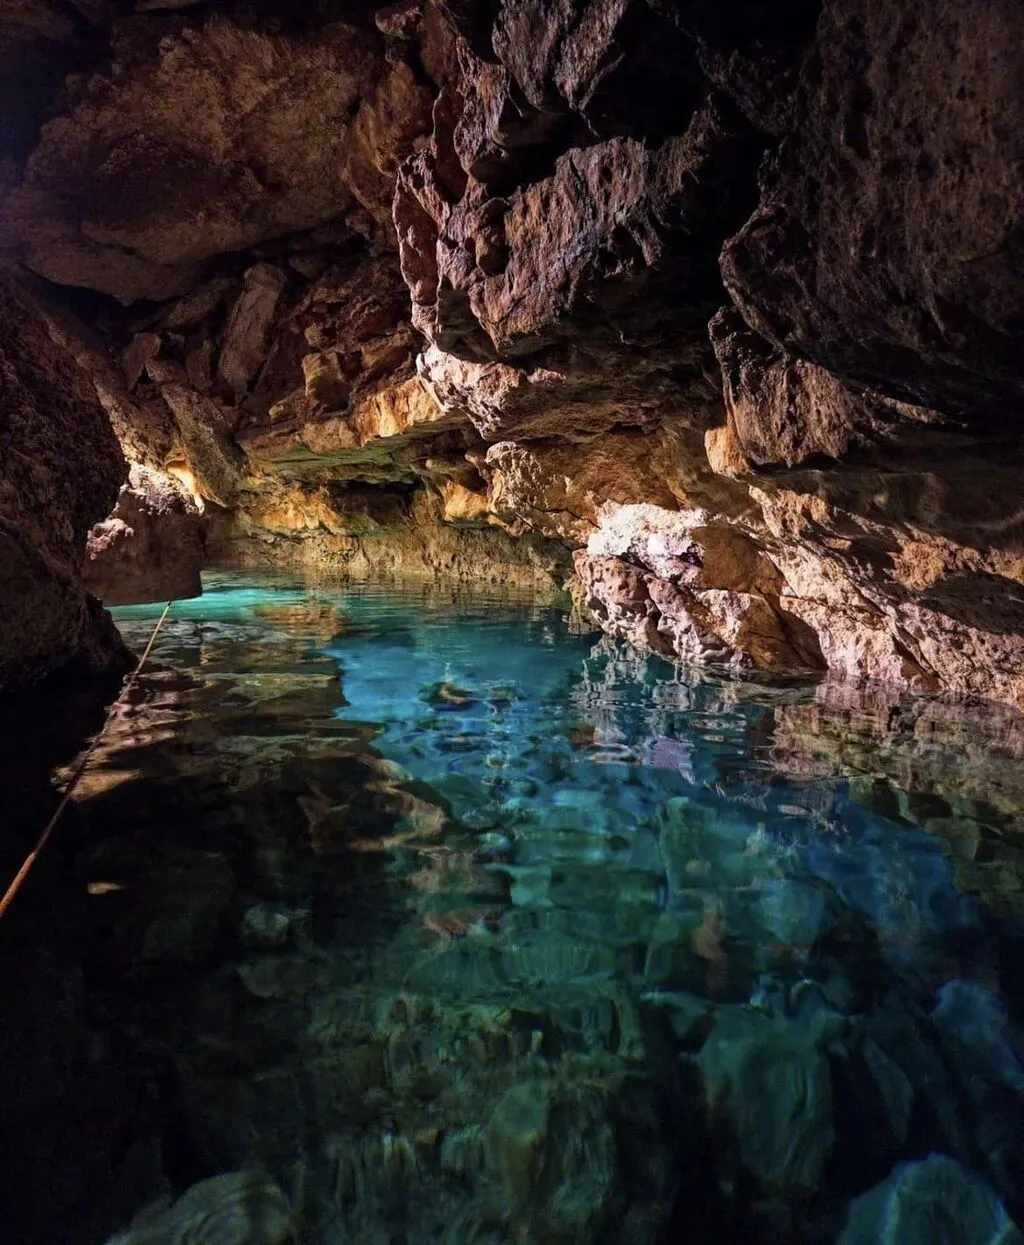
(150, 548)
(532, 263)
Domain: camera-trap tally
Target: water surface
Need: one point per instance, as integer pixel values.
(465, 925)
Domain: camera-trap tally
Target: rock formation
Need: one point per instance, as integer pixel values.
(60, 469)
(719, 305)
(150, 548)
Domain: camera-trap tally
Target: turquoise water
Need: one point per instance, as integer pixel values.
(458, 923)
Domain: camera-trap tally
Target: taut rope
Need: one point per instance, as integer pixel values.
(79, 773)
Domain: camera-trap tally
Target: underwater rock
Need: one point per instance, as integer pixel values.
(796, 913)
(283, 977)
(171, 904)
(974, 1029)
(894, 1087)
(239, 1208)
(516, 1142)
(768, 1084)
(448, 696)
(974, 1026)
(269, 926)
(932, 1202)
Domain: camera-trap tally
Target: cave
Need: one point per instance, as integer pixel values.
(511, 622)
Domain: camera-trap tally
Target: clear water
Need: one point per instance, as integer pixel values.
(465, 926)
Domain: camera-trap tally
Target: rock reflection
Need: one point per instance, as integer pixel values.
(954, 769)
(452, 925)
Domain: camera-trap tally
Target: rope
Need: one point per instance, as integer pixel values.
(78, 775)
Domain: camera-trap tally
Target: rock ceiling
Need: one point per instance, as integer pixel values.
(722, 300)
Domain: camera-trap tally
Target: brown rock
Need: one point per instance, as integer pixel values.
(390, 119)
(142, 348)
(185, 151)
(211, 459)
(200, 303)
(783, 411)
(60, 469)
(463, 505)
(150, 548)
(887, 244)
(559, 489)
(245, 339)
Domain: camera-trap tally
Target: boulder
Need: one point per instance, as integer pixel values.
(151, 546)
(932, 1202)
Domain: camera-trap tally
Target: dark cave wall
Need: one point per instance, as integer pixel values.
(60, 471)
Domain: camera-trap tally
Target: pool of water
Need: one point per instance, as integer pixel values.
(446, 920)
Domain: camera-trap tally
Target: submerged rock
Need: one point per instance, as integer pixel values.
(932, 1202)
(240, 1208)
(769, 1086)
(449, 696)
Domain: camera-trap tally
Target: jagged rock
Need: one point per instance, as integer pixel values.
(150, 548)
(934, 1201)
(783, 411)
(463, 505)
(208, 462)
(377, 429)
(886, 245)
(561, 489)
(60, 469)
(677, 584)
(142, 348)
(390, 119)
(199, 303)
(183, 151)
(373, 533)
(245, 338)
(507, 224)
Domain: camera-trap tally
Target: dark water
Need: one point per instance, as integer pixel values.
(459, 925)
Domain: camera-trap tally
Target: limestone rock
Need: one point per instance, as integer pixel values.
(150, 548)
(561, 489)
(677, 584)
(380, 425)
(208, 462)
(784, 411)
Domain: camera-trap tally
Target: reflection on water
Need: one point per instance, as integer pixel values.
(444, 923)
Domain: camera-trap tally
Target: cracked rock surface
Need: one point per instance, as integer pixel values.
(720, 306)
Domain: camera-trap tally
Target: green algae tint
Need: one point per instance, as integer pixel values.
(449, 922)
